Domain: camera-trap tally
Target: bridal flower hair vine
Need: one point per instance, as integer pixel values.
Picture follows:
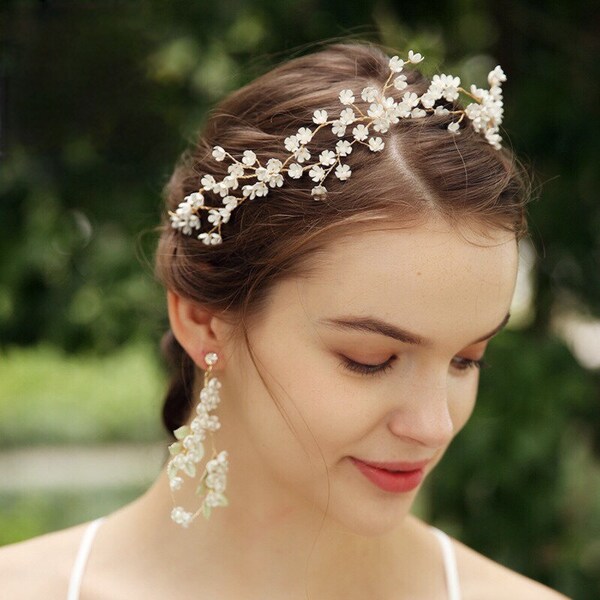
(485, 113)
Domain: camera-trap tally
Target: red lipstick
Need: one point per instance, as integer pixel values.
(392, 476)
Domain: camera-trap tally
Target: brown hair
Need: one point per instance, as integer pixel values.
(423, 169)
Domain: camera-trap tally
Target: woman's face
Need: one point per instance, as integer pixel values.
(426, 280)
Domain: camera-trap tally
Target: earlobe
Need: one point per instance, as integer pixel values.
(191, 326)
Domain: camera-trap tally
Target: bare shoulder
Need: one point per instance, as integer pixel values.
(39, 567)
(483, 579)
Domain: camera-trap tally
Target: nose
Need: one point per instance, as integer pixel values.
(424, 415)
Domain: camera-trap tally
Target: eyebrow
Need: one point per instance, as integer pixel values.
(374, 325)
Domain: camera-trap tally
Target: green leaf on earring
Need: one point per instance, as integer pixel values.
(190, 469)
(175, 448)
(182, 431)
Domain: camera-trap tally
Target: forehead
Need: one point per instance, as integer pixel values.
(428, 278)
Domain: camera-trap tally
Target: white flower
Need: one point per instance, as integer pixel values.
(428, 100)
(381, 124)
(274, 166)
(403, 110)
(195, 200)
(375, 110)
(188, 442)
(338, 128)
(396, 64)
(295, 171)
(347, 97)
(316, 173)
(343, 147)
(319, 117)
(208, 181)
(181, 516)
(302, 154)
(343, 172)
(319, 191)
(347, 116)
(218, 153)
(276, 180)
(360, 132)
(496, 76)
(493, 138)
(184, 222)
(454, 127)
(235, 170)
(496, 92)
(443, 81)
(175, 483)
(304, 135)
(260, 189)
(257, 189)
(417, 113)
(210, 238)
(262, 174)
(230, 182)
(411, 99)
(369, 94)
(376, 144)
(441, 111)
(230, 202)
(473, 112)
(400, 82)
(215, 499)
(291, 143)
(478, 93)
(220, 188)
(248, 158)
(451, 93)
(214, 216)
(179, 461)
(327, 158)
(414, 57)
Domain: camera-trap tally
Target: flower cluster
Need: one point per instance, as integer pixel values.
(485, 113)
(189, 451)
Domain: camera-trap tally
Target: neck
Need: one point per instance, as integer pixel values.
(259, 549)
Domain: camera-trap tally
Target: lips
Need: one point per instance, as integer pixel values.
(390, 480)
(396, 466)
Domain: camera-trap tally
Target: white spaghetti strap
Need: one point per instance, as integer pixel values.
(81, 559)
(450, 566)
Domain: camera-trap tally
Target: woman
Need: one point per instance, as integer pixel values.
(339, 247)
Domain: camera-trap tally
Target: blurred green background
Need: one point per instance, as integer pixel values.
(97, 100)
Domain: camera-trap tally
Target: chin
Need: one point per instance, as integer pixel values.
(365, 512)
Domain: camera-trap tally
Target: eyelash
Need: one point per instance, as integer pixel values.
(356, 367)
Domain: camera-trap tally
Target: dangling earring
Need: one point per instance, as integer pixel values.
(190, 450)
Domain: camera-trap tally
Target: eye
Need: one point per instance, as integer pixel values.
(467, 363)
(357, 367)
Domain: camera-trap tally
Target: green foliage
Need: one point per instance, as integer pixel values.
(25, 515)
(47, 396)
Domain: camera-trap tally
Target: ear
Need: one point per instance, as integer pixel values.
(196, 329)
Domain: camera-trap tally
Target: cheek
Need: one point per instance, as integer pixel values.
(462, 397)
(308, 420)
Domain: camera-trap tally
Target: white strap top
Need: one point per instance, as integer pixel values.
(81, 558)
(450, 566)
(448, 554)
